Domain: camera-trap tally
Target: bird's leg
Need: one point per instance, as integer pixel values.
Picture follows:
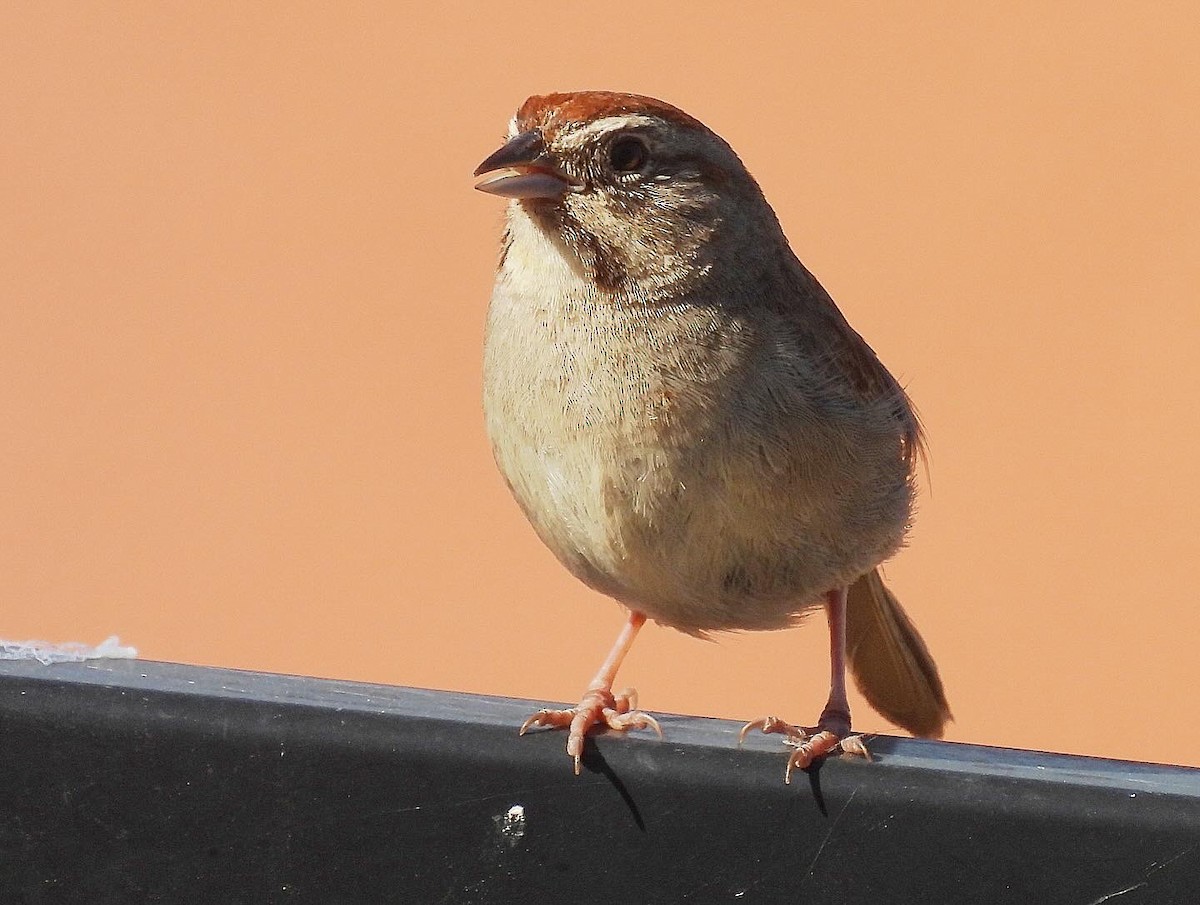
(833, 727)
(599, 704)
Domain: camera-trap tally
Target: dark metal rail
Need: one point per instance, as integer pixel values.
(133, 781)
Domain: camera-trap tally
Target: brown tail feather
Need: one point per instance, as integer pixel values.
(890, 663)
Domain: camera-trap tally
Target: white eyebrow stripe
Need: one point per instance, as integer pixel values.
(602, 127)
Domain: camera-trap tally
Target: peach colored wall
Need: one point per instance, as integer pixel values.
(244, 277)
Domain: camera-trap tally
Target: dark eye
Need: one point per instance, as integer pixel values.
(628, 154)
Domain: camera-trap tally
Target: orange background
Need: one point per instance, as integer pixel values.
(244, 278)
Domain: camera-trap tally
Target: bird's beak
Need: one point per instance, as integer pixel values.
(524, 170)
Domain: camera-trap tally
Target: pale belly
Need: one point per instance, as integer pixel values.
(708, 502)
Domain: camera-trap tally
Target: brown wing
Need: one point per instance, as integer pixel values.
(852, 361)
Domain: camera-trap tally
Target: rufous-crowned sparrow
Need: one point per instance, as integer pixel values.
(685, 416)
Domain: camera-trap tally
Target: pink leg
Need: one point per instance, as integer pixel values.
(599, 704)
(836, 715)
(833, 728)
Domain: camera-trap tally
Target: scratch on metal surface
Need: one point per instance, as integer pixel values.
(829, 834)
(1119, 892)
(1155, 867)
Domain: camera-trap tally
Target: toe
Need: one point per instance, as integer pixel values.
(623, 722)
(773, 725)
(551, 718)
(808, 751)
(856, 745)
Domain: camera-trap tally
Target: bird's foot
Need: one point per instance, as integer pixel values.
(831, 734)
(599, 706)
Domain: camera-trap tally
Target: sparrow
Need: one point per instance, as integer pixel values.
(684, 415)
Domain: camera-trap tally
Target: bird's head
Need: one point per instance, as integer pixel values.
(645, 198)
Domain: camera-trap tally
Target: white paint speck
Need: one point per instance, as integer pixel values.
(511, 824)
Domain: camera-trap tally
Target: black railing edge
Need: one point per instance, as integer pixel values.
(140, 781)
(694, 733)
